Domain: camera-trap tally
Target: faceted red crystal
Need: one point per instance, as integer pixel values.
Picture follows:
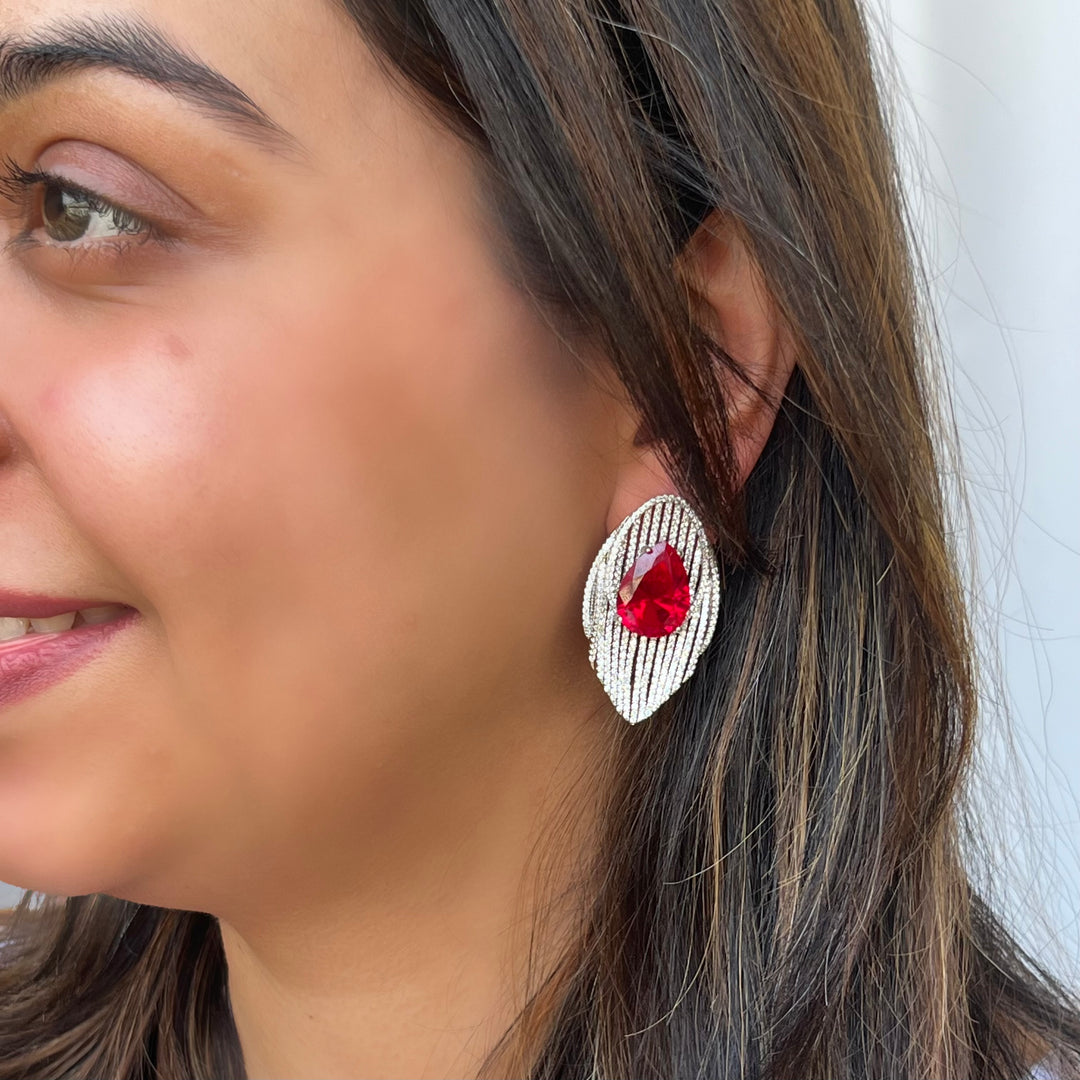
(654, 595)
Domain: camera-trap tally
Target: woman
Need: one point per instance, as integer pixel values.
(346, 346)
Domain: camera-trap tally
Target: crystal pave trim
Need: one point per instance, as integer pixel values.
(640, 673)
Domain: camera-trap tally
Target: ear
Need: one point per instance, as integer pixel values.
(731, 303)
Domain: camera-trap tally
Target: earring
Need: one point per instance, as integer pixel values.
(650, 605)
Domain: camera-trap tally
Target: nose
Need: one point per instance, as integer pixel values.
(18, 361)
(7, 439)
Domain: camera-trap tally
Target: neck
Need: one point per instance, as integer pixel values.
(419, 959)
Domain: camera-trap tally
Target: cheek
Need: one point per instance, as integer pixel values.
(343, 507)
(124, 443)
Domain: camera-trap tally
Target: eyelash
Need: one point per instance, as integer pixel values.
(18, 184)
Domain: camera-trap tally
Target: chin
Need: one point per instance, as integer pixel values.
(49, 850)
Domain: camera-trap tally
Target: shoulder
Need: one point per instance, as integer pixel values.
(13, 926)
(1049, 1068)
(6, 915)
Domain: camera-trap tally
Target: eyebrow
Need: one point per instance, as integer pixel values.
(133, 47)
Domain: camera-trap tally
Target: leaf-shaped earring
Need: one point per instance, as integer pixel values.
(650, 605)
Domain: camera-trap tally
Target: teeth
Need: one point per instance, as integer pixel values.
(95, 615)
(54, 624)
(10, 629)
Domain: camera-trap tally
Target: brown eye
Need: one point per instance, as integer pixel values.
(69, 215)
(65, 216)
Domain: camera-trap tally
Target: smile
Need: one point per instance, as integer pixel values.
(38, 651)
(12, 628)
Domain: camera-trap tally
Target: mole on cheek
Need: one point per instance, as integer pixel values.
(176, 348)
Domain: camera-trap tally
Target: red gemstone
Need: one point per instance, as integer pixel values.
(654, 596)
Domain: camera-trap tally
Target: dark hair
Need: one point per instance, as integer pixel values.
(780, 890)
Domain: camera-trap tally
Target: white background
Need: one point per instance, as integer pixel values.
(991, 111)
(989, 101)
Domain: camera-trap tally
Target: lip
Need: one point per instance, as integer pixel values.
(35, 662)
(20, 605)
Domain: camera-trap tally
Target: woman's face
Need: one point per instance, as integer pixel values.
(286, 408)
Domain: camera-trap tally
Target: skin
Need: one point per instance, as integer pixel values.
(353, 484)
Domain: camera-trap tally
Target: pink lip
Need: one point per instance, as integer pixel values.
(17, 605)
(35, 662)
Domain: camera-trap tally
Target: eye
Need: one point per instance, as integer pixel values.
(60, 213)
(68, 215)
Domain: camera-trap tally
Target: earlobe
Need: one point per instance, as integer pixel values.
(640, 478)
